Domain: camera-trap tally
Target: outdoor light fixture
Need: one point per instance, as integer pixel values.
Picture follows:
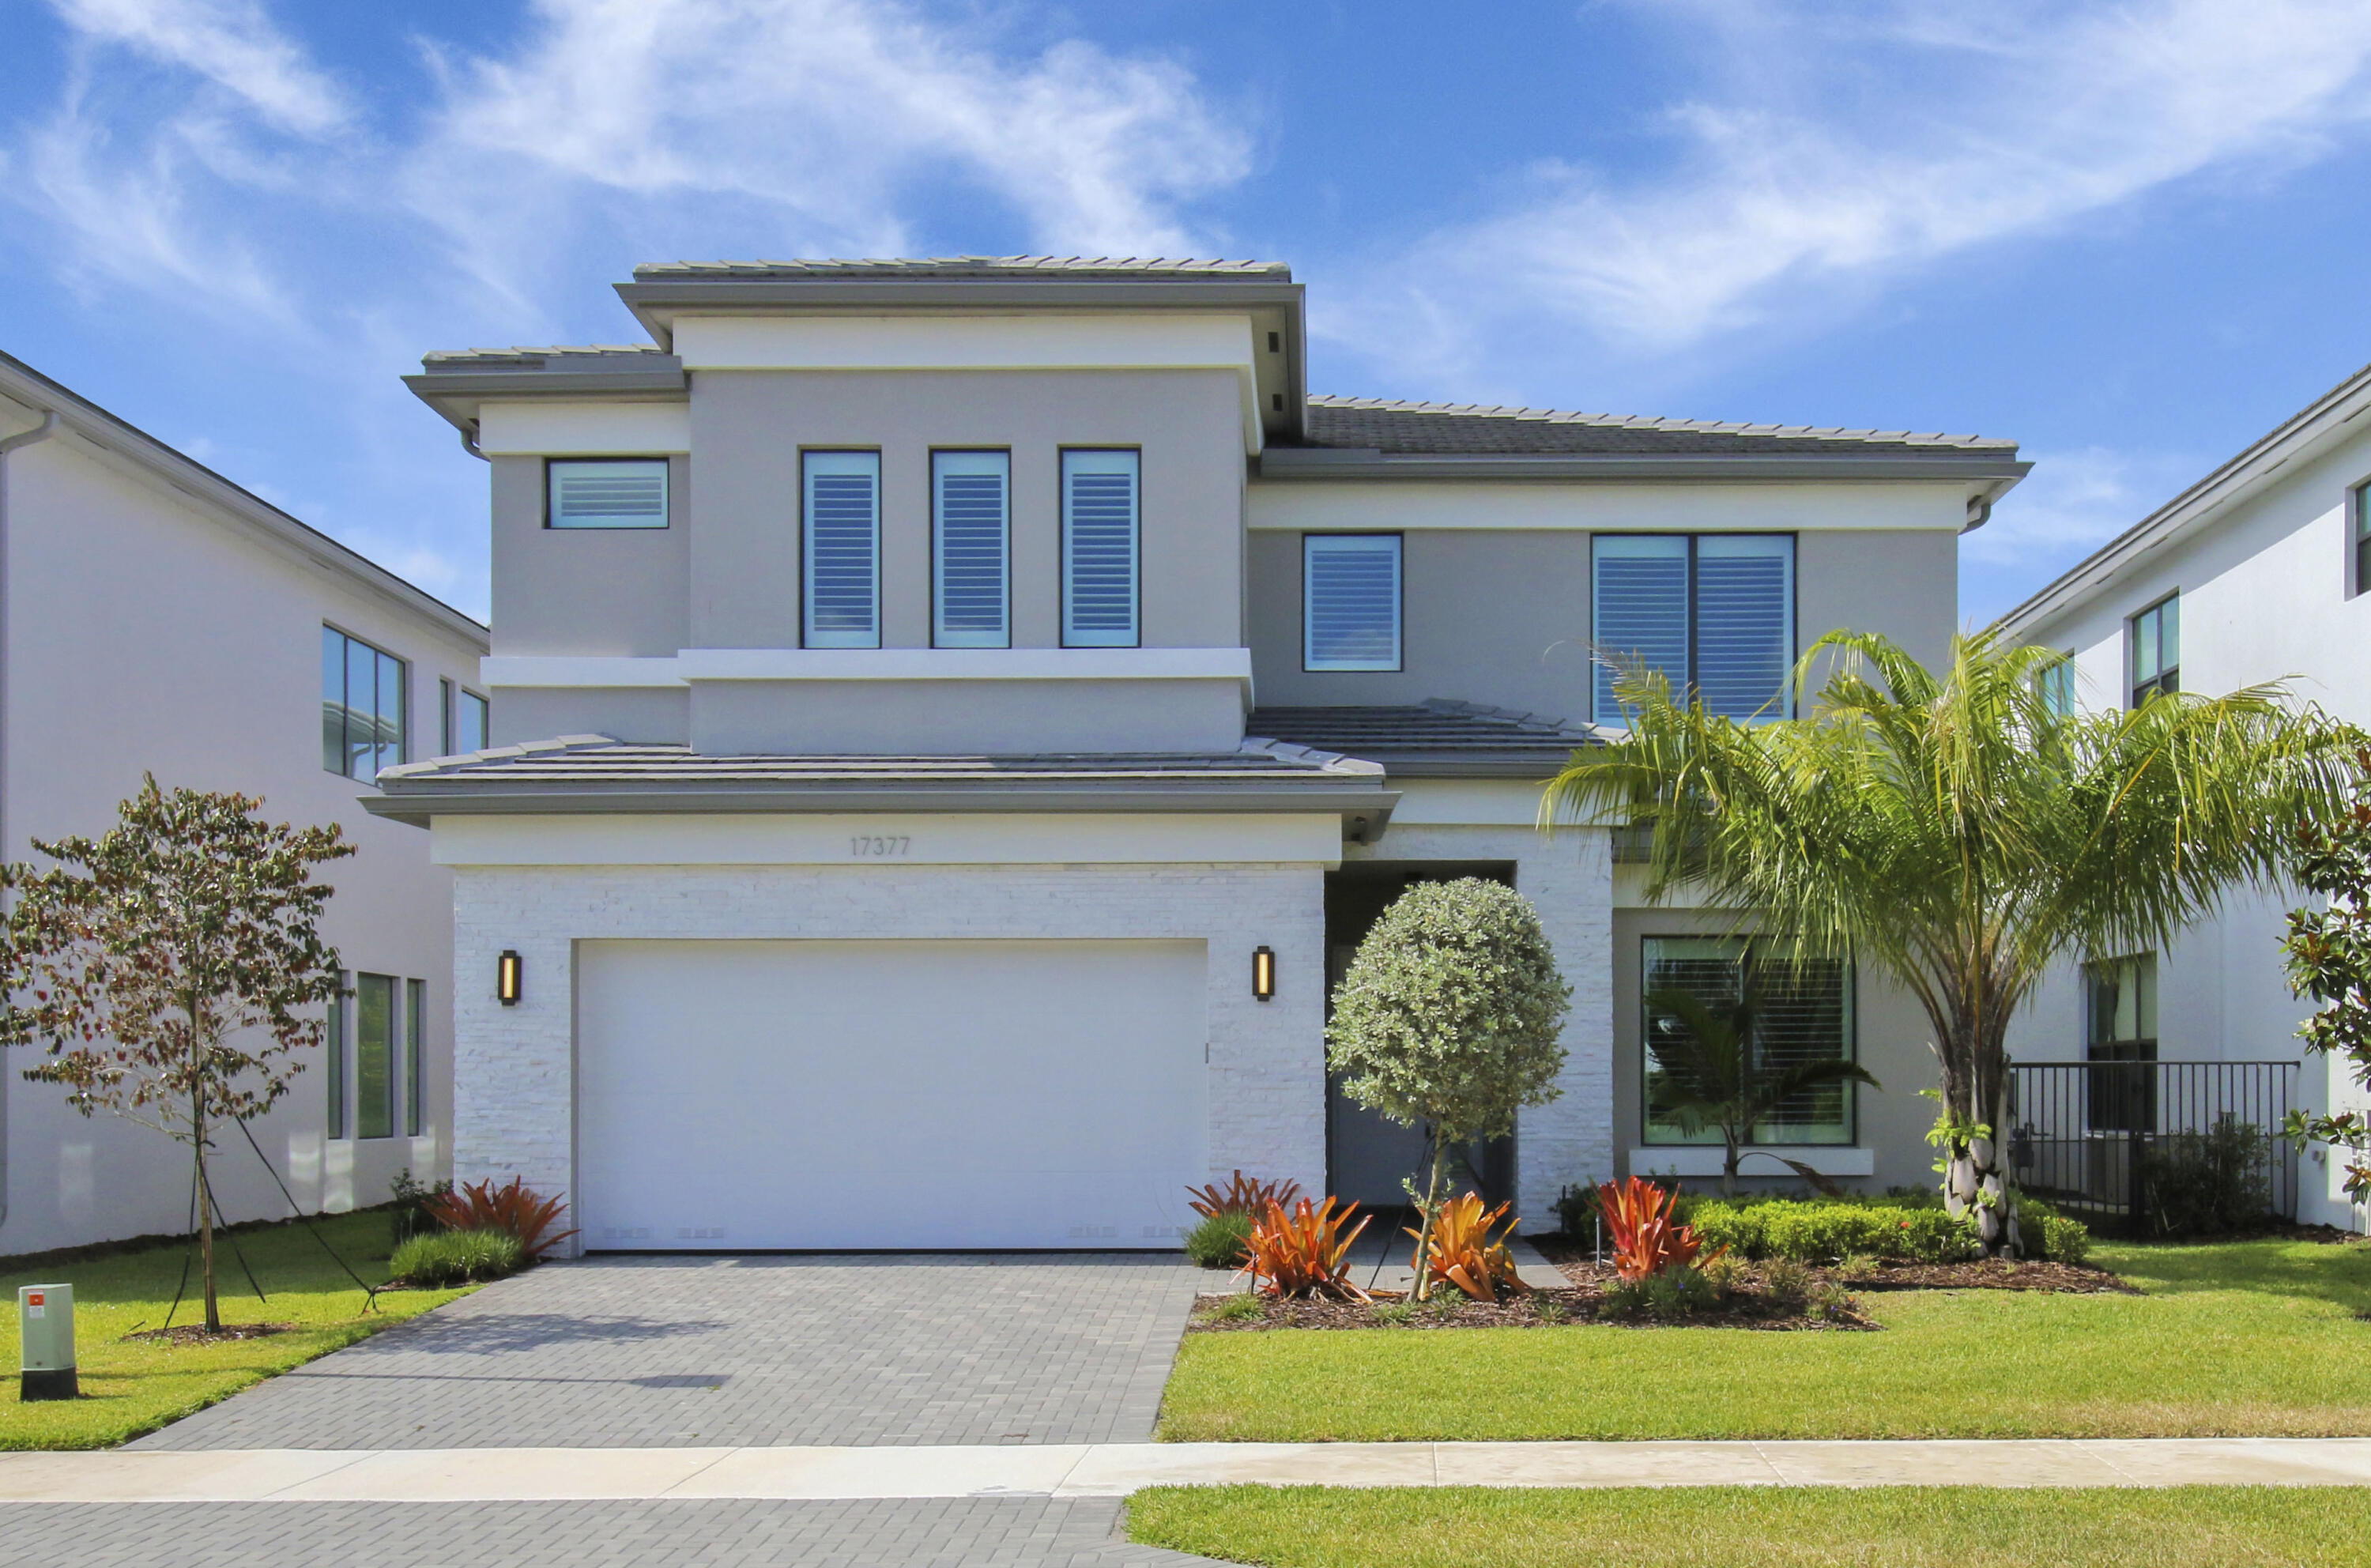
(506, 978)
(1264, 973)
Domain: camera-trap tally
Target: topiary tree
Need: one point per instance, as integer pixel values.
(1449, 1018)
(2328, 955)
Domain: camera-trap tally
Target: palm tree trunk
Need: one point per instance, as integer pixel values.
(1975, 1090)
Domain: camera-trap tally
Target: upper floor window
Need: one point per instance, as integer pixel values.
(843, 548)
(363, 704)
(1714, 613)
(1350, 601)
(2122, 1029)
(1100, 532)
(971, 550)
(2157, 649)
(607, 492)
(1803, 1013)
(2358, 516)
(2055, 684)
(465, 717)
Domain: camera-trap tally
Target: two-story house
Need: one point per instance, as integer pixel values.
(2260, 571)
(954, 717)
(155, 618)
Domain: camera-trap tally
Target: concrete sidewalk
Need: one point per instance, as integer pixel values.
(1116, 1470)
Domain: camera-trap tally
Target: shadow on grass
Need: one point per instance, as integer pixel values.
(2334, 1272)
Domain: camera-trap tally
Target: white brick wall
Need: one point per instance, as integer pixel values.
(514, 1080)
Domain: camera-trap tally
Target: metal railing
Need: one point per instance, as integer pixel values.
(2081, 1133)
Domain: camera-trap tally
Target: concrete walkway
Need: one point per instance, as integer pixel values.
(1115, 1470)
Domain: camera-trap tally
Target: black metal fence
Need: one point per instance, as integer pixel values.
(2106, 1140)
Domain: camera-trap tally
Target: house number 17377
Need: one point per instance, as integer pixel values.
(878, 846)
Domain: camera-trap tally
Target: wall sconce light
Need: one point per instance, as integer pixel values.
(1264, 973)
(506, 978)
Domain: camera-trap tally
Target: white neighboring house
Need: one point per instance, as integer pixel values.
(156, 618)
(2256, 572)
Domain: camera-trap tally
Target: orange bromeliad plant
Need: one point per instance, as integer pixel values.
(1646, 1239)
(1244, 1195)
(518, 1209)
(1462, 1252)
(1304, 1252)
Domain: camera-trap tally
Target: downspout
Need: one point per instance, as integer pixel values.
(43, 431)
(469, 441)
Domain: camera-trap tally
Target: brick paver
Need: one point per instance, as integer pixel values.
(656, 1352)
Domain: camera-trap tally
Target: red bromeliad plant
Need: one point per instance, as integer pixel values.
(1244, 1195)
(1305, 1253)
(517, 1210)
(1461, 1251)
(1646, 1240)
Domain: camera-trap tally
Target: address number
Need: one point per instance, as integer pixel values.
(878, 846)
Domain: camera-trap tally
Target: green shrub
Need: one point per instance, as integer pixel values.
(1235, 1309)
(1220, 1241)
(1931, 1236)
(457, 1257)
(1788, 1281)
(2065, 1240)
(1576, 1209)
(2207, 1184)
(1737, 1227)
(410, 1217)
(1822, 1233)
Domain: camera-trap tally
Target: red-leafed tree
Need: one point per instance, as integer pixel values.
(170, 969)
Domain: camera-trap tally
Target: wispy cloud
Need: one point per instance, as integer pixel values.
(230, 43)
(2074, 502)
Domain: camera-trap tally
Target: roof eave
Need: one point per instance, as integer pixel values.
(1995, 472)
(456, 395)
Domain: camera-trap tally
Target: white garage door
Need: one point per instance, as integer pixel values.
(885, 1094)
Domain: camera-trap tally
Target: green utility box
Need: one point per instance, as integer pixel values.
(45, 1313)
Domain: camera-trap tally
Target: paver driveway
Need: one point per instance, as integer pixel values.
(651, 1352)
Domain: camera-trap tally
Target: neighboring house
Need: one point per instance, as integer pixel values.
(156, 618)
(954, 716)
(2256, 572)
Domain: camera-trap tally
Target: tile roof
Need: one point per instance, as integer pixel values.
(1435, 737)
(603, 354)
(1068, 268)
(1383, 425)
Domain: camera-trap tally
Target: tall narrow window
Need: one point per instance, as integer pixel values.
(464, 719)
(2358, 510)
(2055, 684)
(2157, 649)
(843, 548)
(1350, 601)
(333, 1041)
(415, 1057)
(2122, 1003)
(1804, 1014)
(971, 550)
(607, 492)
(1100, 530)
(375, 1023)
(1714, 614)
(364, 707)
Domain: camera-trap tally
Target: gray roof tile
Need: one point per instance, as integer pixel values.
(1436, 737)
(1383, 425)
(1068, 268)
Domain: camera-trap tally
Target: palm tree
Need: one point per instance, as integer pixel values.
(1959, 833)
(1707, 1073)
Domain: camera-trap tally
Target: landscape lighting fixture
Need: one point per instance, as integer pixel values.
(1264, 973)
(506, 978)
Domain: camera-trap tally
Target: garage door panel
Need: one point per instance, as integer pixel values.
(889, 1093)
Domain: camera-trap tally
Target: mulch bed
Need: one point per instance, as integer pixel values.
(1525, 1309)
(1990, 1274)
(195, 1333)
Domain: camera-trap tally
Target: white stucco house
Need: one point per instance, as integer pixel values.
(954, 719)
(2256, 572)
(155, 618)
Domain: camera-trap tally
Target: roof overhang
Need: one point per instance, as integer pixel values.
(456, 393)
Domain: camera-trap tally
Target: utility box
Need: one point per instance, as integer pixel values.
(45, 1316)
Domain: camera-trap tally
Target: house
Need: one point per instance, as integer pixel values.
(2256, 572)
(155, 618)
(955, 718)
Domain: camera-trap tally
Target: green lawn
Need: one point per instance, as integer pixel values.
(2253, 1338)
(129, 1388)
(1311, 1526)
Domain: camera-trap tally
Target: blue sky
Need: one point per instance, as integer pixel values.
(2131, 237)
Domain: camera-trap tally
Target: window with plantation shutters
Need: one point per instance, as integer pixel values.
(1350, 601)
(1640, 614)
(1100, 532)
(842, 516)
(628, 492)
(971, 550)
(1712, 613)
(1805, 1015)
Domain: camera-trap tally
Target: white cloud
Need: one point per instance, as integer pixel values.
(231, 43)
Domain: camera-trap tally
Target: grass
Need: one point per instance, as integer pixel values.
(1308, 1527)
(2248, 1338)
(134, 1387)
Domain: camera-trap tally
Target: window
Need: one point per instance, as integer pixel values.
(1099, 549)
(970, 549)
(333, 1041)
(2055, 684)
(1350, 601)
(607, 492)
(2121, 1001)
(465, 721)
(376, 1026)
(415, 1057)
(842, 493)
(2157, 649)
(1714, 613)
(2358, 510)
(1806, 1015)
(362, 707)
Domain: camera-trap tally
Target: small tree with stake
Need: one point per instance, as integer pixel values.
(1449, 1017)
(162, 968)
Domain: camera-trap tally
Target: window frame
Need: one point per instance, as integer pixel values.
(335, 1125)
(415, 1062)
(1134, 637)
(2114, 1101)
(451, 694)
(347, 643)
(2167, 678)
(2055, 684)
(1650, 1136)
(2358, 539)
(808, 636)
(1313, 543)
(940, 636)
(1687, 687)
(390, 1051)
(552, 465)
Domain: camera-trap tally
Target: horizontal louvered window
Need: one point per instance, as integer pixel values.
(843, 548)
(1350, 601)
(607, 493)
(971, 548)
(1805, 1014)
(1100, 529)
(1712, 613)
